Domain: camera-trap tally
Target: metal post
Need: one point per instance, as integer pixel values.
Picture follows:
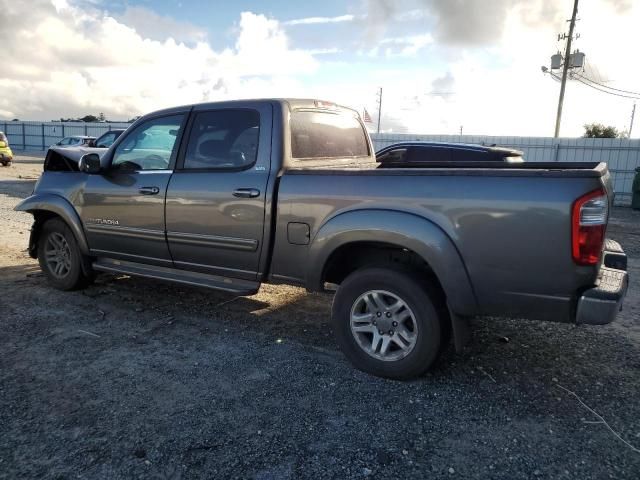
(565, 68)
(43, 136)
(24, 141)
(379, 107)
(633, 114)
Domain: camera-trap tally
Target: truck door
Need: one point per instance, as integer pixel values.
(216, 198)
(122, 209)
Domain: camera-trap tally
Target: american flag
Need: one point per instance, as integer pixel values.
(366, 116)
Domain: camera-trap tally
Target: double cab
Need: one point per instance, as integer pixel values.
(234, 194)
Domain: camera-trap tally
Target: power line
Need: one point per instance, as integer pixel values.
(637, 97)
(593, 69)
(556, 77)
(605, 86)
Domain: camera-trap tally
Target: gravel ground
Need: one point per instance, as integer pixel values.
(133, 378)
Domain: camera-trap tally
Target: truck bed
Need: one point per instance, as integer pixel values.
(510, 223)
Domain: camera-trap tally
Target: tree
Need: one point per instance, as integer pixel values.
(89, 118)
(598, 130)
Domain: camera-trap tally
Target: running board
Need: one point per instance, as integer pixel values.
(233, 285)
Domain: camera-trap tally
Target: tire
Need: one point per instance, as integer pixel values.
(413, 332)
(60, 258)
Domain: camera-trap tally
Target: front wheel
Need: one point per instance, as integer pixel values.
(60, 257)
(388, 322)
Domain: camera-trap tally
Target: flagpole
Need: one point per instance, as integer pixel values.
(379, 107)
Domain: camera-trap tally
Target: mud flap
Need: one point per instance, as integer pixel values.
(461, 331)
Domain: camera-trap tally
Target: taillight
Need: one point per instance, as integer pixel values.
(588, 224)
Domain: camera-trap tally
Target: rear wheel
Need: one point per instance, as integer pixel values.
(388, 322)
(60, 258)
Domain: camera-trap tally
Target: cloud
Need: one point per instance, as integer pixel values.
(61, 60)
(469, 22)
(410, 45)
(150, 25)
(320, 20)
(443, 85)
(498, 89)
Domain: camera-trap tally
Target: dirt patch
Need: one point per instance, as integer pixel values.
(134, 378)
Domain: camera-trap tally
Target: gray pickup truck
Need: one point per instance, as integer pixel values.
(230, 195)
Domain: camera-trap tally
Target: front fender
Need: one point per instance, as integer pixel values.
(406, 230)
(50, 202)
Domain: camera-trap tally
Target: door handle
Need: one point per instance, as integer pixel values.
(149, 190)
(246, 192)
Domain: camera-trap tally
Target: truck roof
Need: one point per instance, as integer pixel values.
(292, 103)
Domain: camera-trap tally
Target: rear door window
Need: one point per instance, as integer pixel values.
(320, 134)
(223, 139)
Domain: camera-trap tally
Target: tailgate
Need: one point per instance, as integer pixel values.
(607, 182)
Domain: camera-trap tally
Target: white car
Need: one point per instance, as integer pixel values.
(74, 141)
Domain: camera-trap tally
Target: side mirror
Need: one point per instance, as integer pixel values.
(89, 163)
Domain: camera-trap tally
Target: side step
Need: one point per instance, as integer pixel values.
(197, 279)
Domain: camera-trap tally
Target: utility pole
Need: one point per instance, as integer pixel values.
(565, 67)
(633, 114)
(379, 107)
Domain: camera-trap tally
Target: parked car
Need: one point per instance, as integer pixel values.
(230, 195)
(416, 153)
(6, 155)
(106, 139)
(74, 141)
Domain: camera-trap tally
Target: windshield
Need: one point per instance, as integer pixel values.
(319, 134)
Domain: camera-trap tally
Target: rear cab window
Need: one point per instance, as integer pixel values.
(327, 134)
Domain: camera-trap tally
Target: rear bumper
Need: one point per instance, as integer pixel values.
(600, 305)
